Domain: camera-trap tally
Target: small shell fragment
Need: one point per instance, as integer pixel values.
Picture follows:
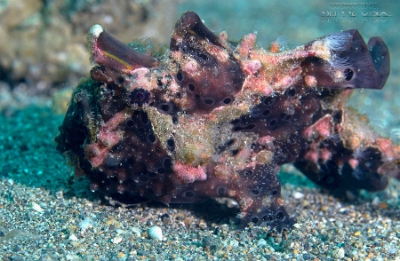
(156, 233)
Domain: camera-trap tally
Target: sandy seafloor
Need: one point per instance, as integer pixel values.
(47, 214)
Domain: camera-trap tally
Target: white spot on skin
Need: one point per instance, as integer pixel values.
(310, 81)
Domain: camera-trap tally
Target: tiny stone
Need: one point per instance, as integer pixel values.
(262, 242)
(86, 224)
(116, 240)
(35, 206)
(72, 237)
(338, 253)
(298, 195)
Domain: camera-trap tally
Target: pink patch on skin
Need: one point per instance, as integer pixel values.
(251, 66)
(106, 139)
(247, 43)
(256, 85)
(288, 80)
(325, 154)
(174, 87)
(312, 154)
(353, 163)
(188, 174)
(224, 173)
(95, 153)
(386, 147)
(191, 67)
(266, 140)
(141, 80)
(244, 154)
(218, 53)
(323, 127)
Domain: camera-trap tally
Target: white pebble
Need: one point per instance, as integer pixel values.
(156, 233)
(35, 206)
(298, 195)
(85, 224)
(262, 242)
(338, 253)
(116, 240)
(72, 237)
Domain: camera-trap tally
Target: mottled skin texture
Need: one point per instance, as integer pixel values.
(210, 119)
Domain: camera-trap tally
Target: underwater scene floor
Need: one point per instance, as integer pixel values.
(48, 213)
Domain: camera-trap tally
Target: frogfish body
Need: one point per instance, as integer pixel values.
(213, 119)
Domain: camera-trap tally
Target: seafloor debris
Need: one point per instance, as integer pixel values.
(213, 119)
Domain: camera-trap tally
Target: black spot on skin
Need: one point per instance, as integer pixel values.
(291, 92)
(269, 100)
(230, 142)
(159, 83)
(255, 191)
(273, 123)
(209, 101)
(221, 191)
(287, 117)
(247, 173)
(255, 219)
(167, 162)
(179, 76)
(130, 123)
(151, 138)
(171, 144)
(189, 194)
(191, 87)
(227, 100)
(165, 107)
(139, 96)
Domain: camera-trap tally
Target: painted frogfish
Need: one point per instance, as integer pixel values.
(212, 118)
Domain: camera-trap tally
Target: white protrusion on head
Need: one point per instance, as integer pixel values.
(91, 39)
(96, 30)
